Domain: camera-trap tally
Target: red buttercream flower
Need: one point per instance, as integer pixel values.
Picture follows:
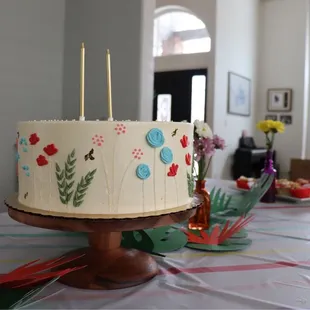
(173, 170)
(50, 149)
(184, 141)
(41, 160)
(34, 139)
(188, 159)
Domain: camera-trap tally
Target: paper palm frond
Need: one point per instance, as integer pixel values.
(244, 204)
(219, 201)
(218, 236)
(28, 299)
(32, 273)
(224, 204)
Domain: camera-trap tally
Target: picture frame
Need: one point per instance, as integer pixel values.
(279, 99)
(273, 117)
(286, 119)
(239, 95)
(164, 102)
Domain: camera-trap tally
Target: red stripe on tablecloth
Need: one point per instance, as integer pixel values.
(241, 287)
(283, 207)
(275, 265)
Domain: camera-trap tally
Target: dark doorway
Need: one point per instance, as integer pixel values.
(176, 91)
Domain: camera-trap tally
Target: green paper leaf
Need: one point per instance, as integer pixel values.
(27, 299)
(137, 240)
(167, 239)
(240, 235)
(237, 205)
(158, 240)
(10, 296)
(227, 246)
(17, 298)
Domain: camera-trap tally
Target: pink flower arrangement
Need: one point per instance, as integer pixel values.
(205, 146)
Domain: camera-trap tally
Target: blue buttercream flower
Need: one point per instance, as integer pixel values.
(17, 156)
(23, 141)
(26, 168)
(166, 155)
(155, 138)
(143, 171)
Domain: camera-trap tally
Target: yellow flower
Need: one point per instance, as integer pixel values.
(264, 126)
(270, 126)
(278, 126)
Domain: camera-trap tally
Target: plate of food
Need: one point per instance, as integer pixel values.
(244, 184)
(295, 191)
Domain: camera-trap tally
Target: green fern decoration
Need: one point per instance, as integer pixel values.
(64, 178)
(190, 184)
(219, 201)
(82, 188)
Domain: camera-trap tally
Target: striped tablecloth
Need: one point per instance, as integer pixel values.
(274, 273)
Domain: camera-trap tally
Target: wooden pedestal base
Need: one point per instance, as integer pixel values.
(109, 266)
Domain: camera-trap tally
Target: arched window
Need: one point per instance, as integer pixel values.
(178, 31)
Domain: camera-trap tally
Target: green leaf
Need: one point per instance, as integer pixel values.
(69, 185)
(63, 200)
(190, 184)
(64, 178)
(60, 175)
(69, 196)
(57, 168)
(166, 239)
(82, 188)
(62, 184)
(230, 245)
(70, 176)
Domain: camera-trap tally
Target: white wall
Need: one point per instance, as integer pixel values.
(235, 50)
(31, 66)
(206, 11)
(125, 27)
(282, 64)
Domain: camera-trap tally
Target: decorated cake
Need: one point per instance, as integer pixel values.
(104, 169)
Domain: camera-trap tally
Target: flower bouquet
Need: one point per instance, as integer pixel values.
(270, 128)
(205, 145)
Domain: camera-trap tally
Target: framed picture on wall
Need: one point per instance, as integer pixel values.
(286, 119)
(271, 117)
(279, 99)
(239, 95)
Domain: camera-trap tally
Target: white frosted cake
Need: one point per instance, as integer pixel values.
(103, 169)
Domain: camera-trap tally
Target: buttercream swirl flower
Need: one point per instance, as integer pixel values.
(143, 171)
(155, 138)
(166, 155)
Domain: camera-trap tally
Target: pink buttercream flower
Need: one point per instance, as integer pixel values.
(219, 143)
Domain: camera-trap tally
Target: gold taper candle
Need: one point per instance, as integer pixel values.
(82, 83)
(109, 87)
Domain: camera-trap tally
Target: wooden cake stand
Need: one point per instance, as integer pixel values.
(108, 265)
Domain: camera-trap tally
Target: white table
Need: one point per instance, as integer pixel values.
(274, 273)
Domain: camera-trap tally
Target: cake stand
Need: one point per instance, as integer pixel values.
(107, 264)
